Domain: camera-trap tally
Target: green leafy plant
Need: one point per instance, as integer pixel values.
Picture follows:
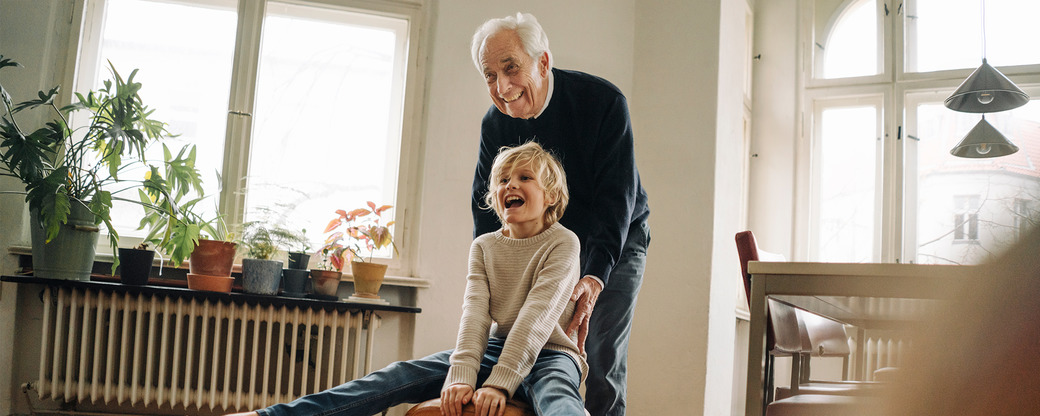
(350, 231)
(58, 164)
(262, 240)
(170, 197)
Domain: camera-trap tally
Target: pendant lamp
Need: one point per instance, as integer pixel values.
(983, 141)
(986, 91)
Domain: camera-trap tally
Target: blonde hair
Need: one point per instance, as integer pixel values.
(547, 169)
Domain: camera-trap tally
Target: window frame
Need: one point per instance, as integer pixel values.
(901, 89)
(232, 203)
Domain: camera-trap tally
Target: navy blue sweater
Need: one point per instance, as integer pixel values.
(587, 127)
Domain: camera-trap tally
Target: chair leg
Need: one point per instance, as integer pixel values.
(796, 372)
(769, 382)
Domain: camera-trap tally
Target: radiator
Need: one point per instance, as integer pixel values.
(880, 349)
(185, 353)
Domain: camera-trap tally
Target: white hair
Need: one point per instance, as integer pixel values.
(531, 35)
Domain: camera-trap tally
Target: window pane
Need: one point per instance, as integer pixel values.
(970, 209)
(847, 180)
(326, 131)
(847, 38)
(185, 77)
(948, 34)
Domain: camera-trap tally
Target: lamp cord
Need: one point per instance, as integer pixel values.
(983, 3)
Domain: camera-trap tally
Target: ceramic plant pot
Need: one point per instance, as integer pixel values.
(298, 260)
(135, 265)
(261, 277)
(212, 258)
(326, 282)
(368, 277)
(294, 282)
(69, 255)
(210, 283)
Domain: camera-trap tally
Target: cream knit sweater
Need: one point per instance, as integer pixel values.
(517, 289)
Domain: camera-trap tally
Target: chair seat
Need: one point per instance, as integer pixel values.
(842, 388)
(433, 408)
(824, 405)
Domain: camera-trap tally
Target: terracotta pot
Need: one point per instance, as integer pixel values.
(210, 283)
(368, 277)
(212, 258)
(326, 282)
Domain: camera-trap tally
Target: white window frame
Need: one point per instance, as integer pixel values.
(900, 88)
(239, 129)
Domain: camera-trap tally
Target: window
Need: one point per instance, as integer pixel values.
(290, 125)
(966, 218)
(882, 183)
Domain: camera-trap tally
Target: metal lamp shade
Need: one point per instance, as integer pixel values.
(984, 141)
(986, 91)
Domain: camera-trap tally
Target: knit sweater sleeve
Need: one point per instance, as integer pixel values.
(553, 283)
(475, 324)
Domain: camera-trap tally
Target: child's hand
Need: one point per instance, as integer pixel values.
(490, 401)
(453, 397)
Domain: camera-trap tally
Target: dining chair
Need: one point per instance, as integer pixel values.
(787, 336)
(786, 343)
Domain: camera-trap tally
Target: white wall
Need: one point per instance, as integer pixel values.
(775, 128)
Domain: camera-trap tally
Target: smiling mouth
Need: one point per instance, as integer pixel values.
(513, 202)
(509, 100)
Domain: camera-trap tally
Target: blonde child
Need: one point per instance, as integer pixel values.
(511, 340)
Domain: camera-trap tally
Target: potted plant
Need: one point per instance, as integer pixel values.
(361, 228)
(67, 172)
(261, 274)
(179, 230)
(326, 277)
(295, 276)
(135, 264)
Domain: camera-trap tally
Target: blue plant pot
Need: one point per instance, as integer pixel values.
(294, 282)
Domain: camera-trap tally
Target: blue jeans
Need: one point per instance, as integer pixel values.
(611, 325)
(551, 388)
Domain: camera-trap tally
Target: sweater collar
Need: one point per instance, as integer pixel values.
(548, 94)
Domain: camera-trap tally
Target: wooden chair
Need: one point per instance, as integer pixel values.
(433, 408)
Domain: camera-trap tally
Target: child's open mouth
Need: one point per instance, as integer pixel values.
(513, 202)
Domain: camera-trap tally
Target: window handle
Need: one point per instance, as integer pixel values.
(239, 113)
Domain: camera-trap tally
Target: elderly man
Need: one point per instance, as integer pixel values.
(583, 120)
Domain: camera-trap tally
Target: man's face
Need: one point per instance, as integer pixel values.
(516, 83)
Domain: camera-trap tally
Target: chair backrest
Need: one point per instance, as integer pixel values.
(827, 337)
(782, 337)
(747, 250)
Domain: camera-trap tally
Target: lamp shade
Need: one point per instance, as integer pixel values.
(983, 141)
(986, 91)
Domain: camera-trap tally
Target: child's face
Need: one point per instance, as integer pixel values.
(522, 202)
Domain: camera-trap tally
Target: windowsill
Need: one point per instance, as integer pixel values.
(105, 257)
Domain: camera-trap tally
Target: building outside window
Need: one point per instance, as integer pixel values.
(297, 108)
(881, 178)
(966, 218)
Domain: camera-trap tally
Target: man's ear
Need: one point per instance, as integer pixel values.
(543, 64)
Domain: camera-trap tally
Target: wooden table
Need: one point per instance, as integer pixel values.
(865, 295)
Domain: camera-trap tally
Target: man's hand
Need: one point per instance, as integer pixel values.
(453, 397)
(585, 295)
(490, 401)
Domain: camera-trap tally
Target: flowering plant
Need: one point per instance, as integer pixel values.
(350, 231)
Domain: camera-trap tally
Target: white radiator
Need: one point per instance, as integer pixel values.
(880, 349)
(152, 350)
